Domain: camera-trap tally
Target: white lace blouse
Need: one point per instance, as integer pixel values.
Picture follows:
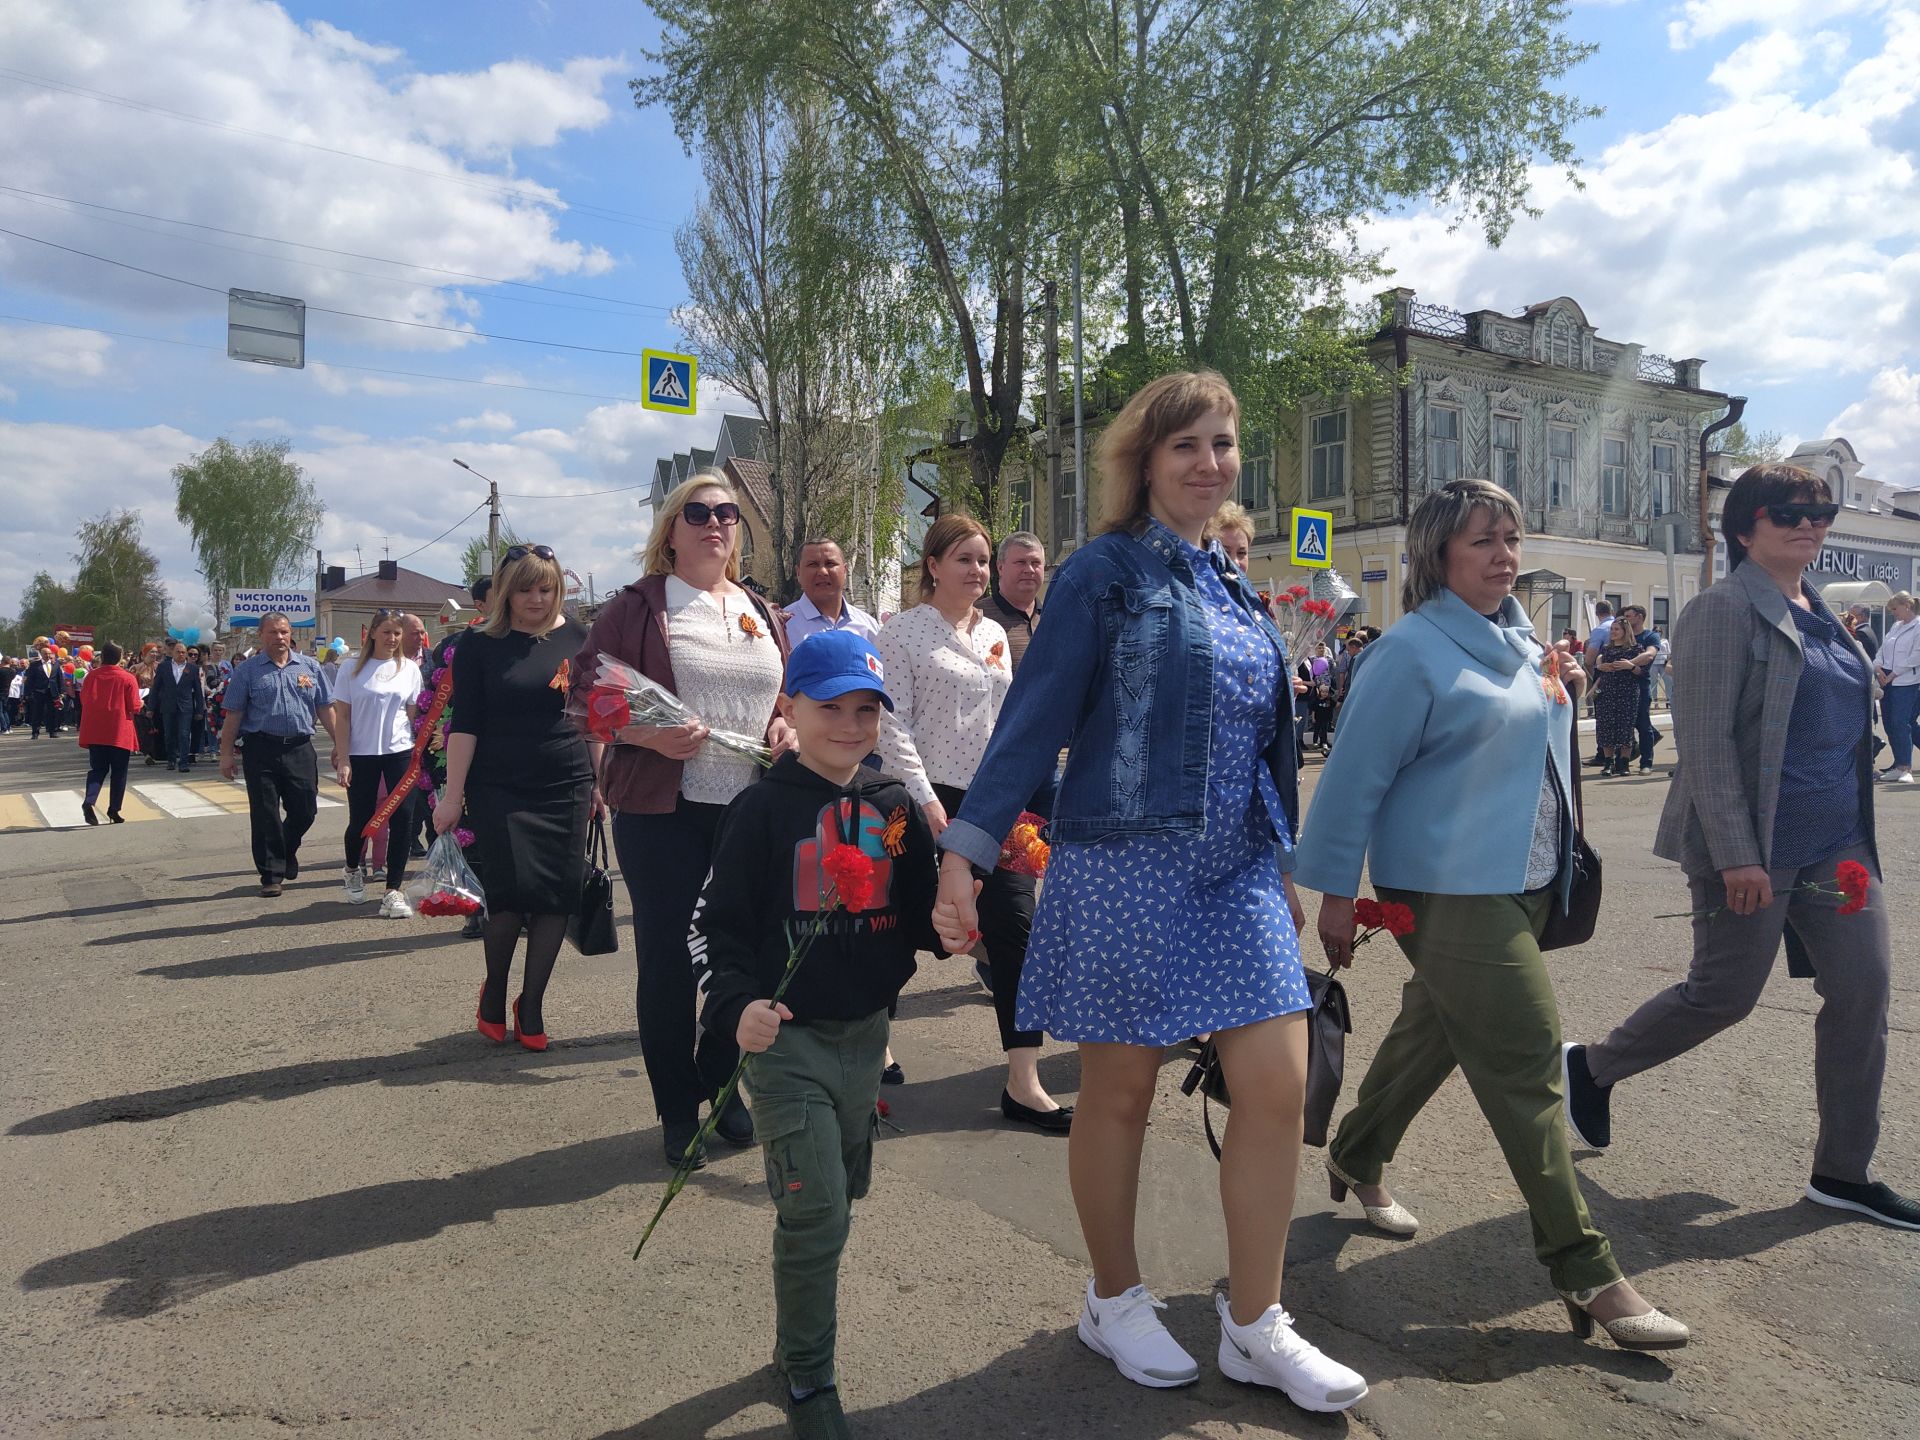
(728, 677)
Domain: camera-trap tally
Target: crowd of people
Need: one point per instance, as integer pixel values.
(1154, 722)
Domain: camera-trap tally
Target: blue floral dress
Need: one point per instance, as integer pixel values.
(1147, 939)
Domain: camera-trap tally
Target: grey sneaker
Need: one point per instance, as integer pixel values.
(354, 882)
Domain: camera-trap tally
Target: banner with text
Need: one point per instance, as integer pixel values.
(245, 607)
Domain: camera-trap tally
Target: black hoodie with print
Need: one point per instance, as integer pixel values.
(766, 884)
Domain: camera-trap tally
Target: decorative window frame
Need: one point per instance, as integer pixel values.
(1309, 446)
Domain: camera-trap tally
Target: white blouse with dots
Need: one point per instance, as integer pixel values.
(727, 676)
(947, 686)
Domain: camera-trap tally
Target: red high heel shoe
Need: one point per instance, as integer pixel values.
(529, 1042)
(494, 1030)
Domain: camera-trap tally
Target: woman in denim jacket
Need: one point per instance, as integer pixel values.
(1167, 910)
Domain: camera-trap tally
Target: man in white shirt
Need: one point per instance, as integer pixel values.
(823, 605)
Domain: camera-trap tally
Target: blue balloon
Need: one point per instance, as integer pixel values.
(189, 634)
(339, 644)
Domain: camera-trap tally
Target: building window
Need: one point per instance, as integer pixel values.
(1561, 615)
(1020, 501)
(1613, 475)
(1063, 534)
(1661, 609)
(1506, 454)
(1665, 465)
(1256, 473)
(1327, 470)
(1617, 600)
(1560, 466)
(1443, 444)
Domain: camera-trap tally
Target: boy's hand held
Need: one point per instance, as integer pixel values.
(759, 1025)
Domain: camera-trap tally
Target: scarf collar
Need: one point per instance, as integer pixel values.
(1502, 644)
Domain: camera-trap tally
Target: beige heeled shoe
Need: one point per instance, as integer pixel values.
(1651, 1331)
(1393, 1218)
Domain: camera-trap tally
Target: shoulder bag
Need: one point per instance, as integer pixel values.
(1575, 924)
(590, 927)
(1328, 1026)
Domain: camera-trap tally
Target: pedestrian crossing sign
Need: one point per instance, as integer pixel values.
(1313, 539)
(670, 381)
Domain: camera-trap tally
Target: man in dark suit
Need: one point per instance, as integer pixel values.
(180, 702)
(42, 691)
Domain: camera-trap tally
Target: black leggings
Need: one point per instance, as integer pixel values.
(363, 790)
(1006, 919)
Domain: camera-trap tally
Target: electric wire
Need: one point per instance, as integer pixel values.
(444, 533)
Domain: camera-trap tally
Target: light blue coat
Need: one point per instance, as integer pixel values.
(1440, 754)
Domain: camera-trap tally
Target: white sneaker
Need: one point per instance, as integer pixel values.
(1127, 1332)
(1271, 1352)
(395, 907)
(354, 880)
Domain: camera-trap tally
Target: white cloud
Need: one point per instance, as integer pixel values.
(497, 421)
(335, 434)
(46, 353)
(1884, 426)
(251, 71)
(1704, 19)
(548, 439)
(1779, 237)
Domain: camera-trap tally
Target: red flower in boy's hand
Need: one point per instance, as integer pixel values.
(1853, 880)
(1366, 913)
(851, 871)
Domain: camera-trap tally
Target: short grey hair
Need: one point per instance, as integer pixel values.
(1440, 516)
(1020, 540)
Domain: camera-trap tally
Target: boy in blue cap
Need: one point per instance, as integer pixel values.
(814, 1071)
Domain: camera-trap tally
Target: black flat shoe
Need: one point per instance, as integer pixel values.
(1053, 1122)
(1588, 1105)
(893, 1075)
(1878, 1201)
(675, 1139)
(735, 1125)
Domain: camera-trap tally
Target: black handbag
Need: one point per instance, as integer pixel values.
(1575, 925)
(590, 927)
(1328, 1025)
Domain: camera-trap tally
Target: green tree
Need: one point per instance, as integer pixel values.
(1749, 447)
(474, 560)
(252, 515)
(117, 587)
(44, 605)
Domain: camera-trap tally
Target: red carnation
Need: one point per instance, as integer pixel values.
(1398, 919)
(1297, 592)
(608, 713)
(1853, 880)
(1368, 913)
(851, 871)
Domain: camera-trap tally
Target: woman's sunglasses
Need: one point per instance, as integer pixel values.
(698, 512)
(1788, 517)
(520, 552)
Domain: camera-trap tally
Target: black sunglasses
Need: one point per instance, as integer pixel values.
(698, 512)
(520, 552)
(1788, 517)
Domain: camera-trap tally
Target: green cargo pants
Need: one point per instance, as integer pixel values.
(813, 1098)
(1480, 997)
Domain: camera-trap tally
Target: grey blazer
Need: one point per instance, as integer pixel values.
(1737, 658)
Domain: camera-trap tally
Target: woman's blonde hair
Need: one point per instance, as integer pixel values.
(1439, 517)
(1902, 598)
(1230, 516)
(945, 533)
(1156, 411)
(516, 576)
(659, 556)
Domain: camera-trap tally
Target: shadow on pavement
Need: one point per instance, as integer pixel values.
(272, 912)
(403, 941)
(129, 907)
(424, 1064)
(1050, 1374)
(161, 1265)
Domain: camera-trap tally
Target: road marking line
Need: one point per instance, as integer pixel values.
(17, 814)
(60, 807)
(219, 792)
(177, 800)
(134, 808)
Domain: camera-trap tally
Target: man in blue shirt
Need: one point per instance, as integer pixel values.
(272, 701)
(823, 604)
(1648, 645)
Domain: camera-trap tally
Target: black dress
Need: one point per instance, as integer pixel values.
(1616, 701)
(530, 786)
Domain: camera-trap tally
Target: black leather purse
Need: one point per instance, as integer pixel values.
(590, 927)
(1575, 925)
(1328, 1025)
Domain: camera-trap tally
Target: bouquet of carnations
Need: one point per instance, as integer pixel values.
(622, 696)
(1305, 619)
(1024, 852)
(446, 886)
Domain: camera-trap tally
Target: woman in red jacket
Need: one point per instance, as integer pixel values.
(109, 700)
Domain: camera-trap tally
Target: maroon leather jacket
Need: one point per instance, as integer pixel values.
(633, 627)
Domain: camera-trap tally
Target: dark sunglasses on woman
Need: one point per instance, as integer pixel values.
(1788, 517)
(698, 512)
(520, 552)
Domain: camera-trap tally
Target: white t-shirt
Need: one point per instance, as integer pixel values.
(379, 694)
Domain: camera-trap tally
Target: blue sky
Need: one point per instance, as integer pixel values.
(1751, 199)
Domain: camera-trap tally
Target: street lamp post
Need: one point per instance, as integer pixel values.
(493, 515)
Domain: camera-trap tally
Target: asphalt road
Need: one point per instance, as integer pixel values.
(260, 1176)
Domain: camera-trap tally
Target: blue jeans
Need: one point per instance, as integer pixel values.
(1900, 709)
